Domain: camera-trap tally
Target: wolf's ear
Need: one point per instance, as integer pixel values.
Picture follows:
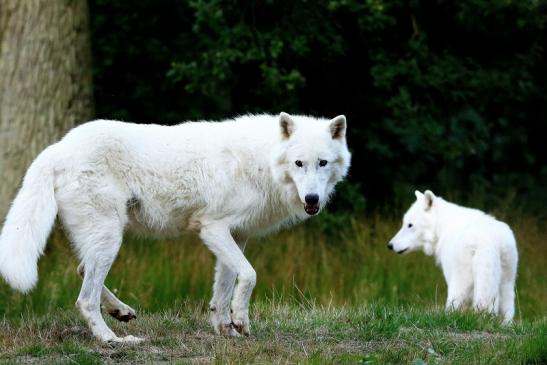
(337, 127)
(429, 198)
(418, 194)
(287, 125)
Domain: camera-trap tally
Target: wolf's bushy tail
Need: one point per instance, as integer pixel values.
(28, 224)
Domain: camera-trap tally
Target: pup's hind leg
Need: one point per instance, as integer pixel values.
(507, 290)
(487, 280)
(111, 304)
(507, 301)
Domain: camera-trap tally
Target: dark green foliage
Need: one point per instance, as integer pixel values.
(440, 94)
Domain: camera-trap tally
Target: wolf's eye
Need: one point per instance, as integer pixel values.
(323, 163)
(298, 163)
(410, 225)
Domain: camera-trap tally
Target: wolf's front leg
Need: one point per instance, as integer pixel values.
(218, 238)
(223, 288)
(240, 301)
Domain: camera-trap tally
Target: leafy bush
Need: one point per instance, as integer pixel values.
(440, 94)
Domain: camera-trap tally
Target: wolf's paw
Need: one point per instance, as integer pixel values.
(227, 329)
(126, 339)
(221, 321)
(123, 313)
(105, 334)
(241, 323)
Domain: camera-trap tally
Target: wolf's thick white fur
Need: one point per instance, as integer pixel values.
(477, 253)
(226, 181)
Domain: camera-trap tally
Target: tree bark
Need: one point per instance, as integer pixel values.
(45, 81)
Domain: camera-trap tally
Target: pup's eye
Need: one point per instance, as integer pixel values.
(323, 163)
(298, 163)
(410, 225)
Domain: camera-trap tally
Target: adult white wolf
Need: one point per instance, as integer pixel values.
(226, 181)
(477, 253)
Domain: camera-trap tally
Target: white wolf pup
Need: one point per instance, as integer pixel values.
(477, 253)
(225, 181)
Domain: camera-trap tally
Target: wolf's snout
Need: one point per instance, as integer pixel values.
(312, 204)
(390, 246)
(311, 199)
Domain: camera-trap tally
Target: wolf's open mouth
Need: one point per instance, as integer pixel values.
(311, 209)
(402, 251)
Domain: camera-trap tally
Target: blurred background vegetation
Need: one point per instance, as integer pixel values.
(300, 266)
(440, 94)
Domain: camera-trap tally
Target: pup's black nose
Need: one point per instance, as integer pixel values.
(312, 199)
(390, 246)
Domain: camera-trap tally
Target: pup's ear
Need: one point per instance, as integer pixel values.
(337, 127)
(429, 198)
(286, 124)
(418, 194)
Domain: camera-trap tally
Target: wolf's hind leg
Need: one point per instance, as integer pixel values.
(111, 304)
(97, 240)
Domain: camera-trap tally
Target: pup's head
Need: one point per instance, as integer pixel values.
(418, 230)
(312, 157)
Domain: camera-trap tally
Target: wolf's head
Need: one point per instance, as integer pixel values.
(312, 157)
(418, 230)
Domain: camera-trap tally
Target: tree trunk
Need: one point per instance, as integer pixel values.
(45, 81)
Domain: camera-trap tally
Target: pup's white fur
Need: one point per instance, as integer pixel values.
(477, 253)
(226, 181)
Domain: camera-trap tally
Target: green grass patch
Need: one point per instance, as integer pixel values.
(301, 264)
(321, 298)
(287, 333)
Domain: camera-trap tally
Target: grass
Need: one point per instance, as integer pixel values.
(284, 333)
(340, 297)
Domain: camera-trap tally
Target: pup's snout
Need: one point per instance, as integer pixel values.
(311, 199)
(390, 246)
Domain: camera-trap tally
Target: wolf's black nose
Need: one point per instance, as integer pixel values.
(390, 246)
(312, 199)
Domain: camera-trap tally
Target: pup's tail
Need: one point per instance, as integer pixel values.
(28, 224)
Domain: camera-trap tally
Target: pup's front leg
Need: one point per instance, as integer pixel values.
(460, 286)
